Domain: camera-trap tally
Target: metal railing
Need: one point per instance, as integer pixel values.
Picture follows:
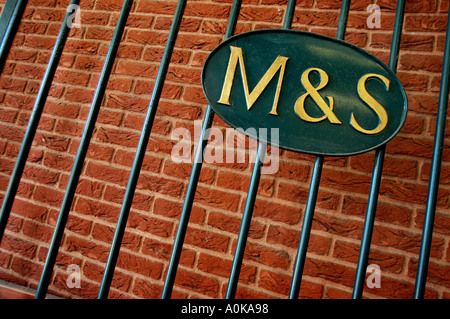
(11, 14)
(9, 18)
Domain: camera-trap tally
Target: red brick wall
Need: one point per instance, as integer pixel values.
(209, 246)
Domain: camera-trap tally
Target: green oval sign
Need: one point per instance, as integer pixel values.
(304, 92)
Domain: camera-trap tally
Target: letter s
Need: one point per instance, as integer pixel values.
(372, 103)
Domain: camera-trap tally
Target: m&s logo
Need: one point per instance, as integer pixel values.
(326, 107)
(325, 96)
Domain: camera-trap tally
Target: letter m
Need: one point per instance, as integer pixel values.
(236, 57)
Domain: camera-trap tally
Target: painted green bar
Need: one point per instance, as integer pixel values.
(187, 206)
(193, 179)
(82, 150)
(251, 194)
(343, 18)
(364, 250)
(33, 122)
(5, 19)
(306, 228)
(140, 152)
(245, 223)
(313, 188)
(427, 234)
(9, 21)
(289, 15)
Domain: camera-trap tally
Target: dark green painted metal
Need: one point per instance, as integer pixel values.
(187, 205)
(5, 18)
(245, 223)
(364, 250)
(251, 194)
(82, 150)
(306, 228)
(33, 123)
(289, 15)
(9, 21)
(343, 18)
(140, 152)
(193, 179)
(305, 50)
(427, 233)
(313, 189)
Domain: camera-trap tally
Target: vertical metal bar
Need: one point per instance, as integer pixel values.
(306, 228)
(246, 220)
(187, 206)
(82, 150)
(33, 123)
(193, 179)
(427, 234)
(313, 188)
(140, 152)
(364, 250)
(6, 17)
(343, 17)
(289, 15)
(377, 169)
(251, 194)
(12, 12)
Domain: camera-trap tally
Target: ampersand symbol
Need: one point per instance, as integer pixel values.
(314, 94)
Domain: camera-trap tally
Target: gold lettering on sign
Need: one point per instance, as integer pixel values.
(236, 57)
(314, 94)
(372, 103)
